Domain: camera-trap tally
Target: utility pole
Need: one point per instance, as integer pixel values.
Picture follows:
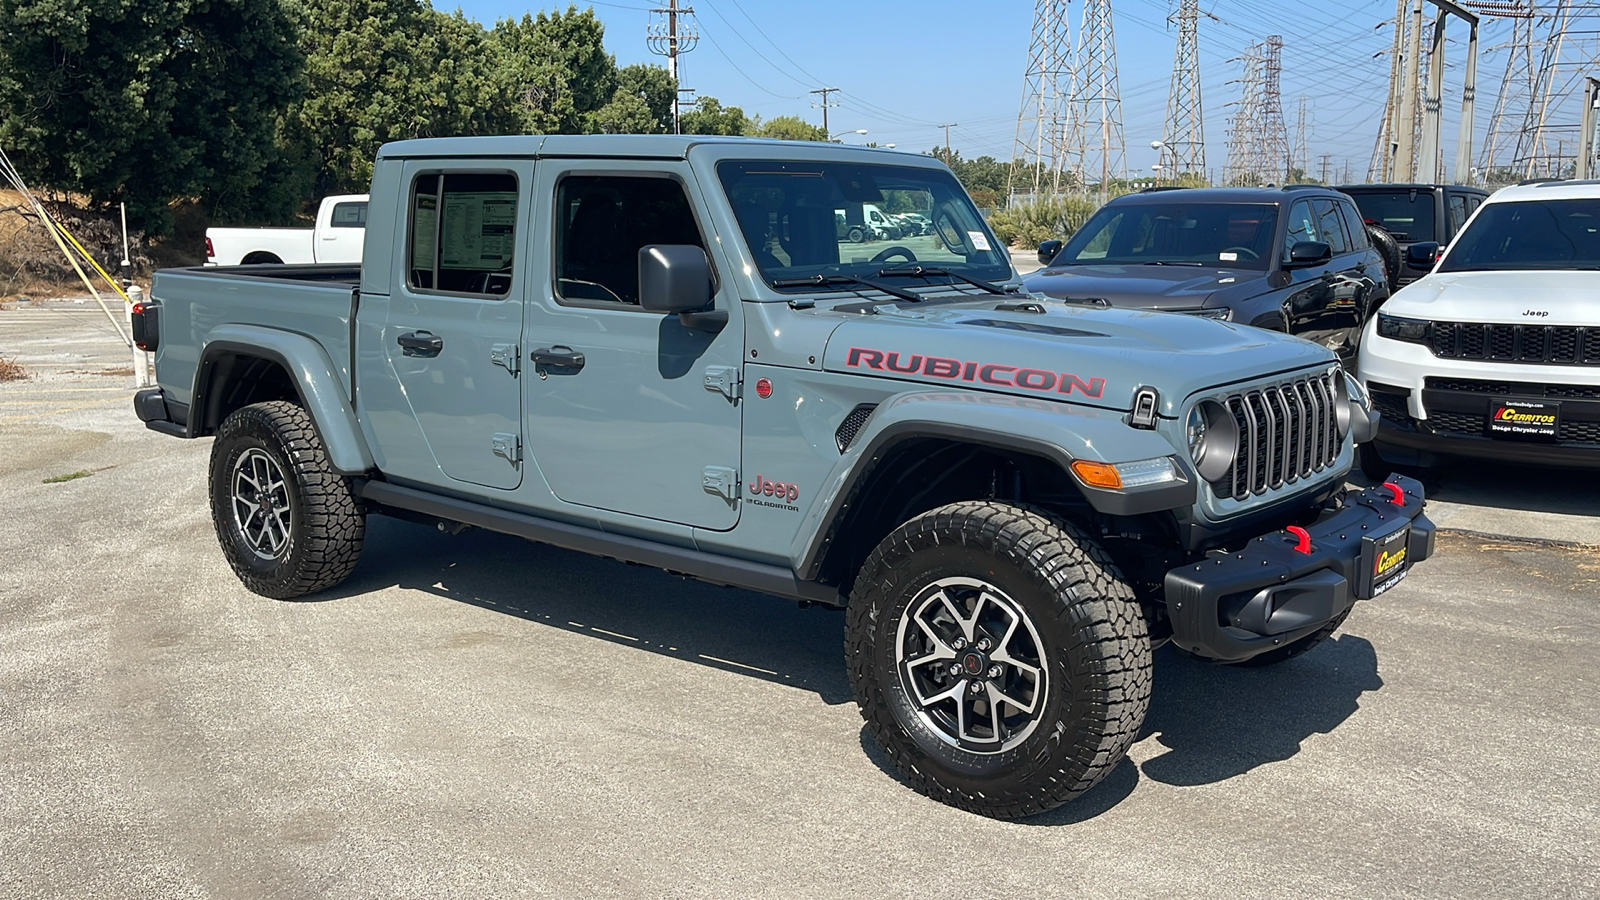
(1097, 97)
(671, 33)
(1042, 116)
(1325, 158)
(1405, 164)
(947, 140)
(1586, 143)
(1185, 132)
(824, 104)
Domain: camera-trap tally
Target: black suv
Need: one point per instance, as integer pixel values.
(1415, 214)
(1295, 259)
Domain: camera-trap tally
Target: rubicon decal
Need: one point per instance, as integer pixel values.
(1041, 380)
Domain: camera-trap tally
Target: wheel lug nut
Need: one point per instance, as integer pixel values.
(977, 687)
(994, 671)
(955, 668)
(983, 644)
(959, 643)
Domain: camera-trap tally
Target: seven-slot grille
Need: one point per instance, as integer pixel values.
(1287, 432)
(1555, 345)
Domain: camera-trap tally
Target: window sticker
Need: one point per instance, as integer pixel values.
(478, 230)
(1227, 256)
(422, 228)
(978, 240)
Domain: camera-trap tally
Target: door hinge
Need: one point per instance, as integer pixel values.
(724, 380)
(507, 356)
(720, 480)
(507, 446)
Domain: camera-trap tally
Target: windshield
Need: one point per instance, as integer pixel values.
(1408, 215)
(1529, 234)
(1230, 235)
(805, 219)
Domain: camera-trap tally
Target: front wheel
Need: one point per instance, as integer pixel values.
(288, 524)
(998, 657)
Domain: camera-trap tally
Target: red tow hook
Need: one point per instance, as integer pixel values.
(1399, 498)
(1303, 545)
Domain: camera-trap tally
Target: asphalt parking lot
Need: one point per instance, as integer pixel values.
(476, 716)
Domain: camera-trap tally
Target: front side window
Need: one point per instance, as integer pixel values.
(602, 221)
(349, 215)
(462, 230)
(1174, 233)
(1527, 235)
(804, 219)
(1331, 225)
(1302, 226)
(1458, 212)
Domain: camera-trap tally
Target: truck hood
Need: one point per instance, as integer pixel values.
(1138, 287)
(1090, 355)
(1530, 298)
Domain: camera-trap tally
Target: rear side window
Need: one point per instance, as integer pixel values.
(349, 215)
(1331, 225)
(601, 224)
(1408, 215)
(1353, 224)
(1457, 208)
(461, 232)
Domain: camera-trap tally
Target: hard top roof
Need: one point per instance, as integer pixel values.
(639, 146)
(1272, 195)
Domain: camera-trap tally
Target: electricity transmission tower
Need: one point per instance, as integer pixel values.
(1517, 95)
(1300, 153)
(1185, 135)
(1096, 106)
(1258, 137)
(1381, 168)
(1038, 156)
(1533, 158)
(671, 32)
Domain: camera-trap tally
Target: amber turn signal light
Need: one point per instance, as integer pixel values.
(1097, 474)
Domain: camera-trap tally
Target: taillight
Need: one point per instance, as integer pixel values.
(211, 253)
(146, 326)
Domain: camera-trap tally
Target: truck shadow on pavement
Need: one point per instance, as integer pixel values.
(638, 607)
(1208, 722)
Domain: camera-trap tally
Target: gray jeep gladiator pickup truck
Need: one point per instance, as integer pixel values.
(658, 349)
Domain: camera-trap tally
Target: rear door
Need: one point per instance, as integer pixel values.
(453, 323)
(1319, 298)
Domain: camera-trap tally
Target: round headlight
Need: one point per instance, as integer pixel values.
(1213, 439)
(1197, 431)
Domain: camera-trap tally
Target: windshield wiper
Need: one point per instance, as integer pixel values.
(822, 280)
(1163, 262)
(925, 271)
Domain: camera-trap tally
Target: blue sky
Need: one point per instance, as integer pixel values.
(905, 67)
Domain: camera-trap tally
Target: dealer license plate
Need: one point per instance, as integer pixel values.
(1384, 562)
(1535, 420)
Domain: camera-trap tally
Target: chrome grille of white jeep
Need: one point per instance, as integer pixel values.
(1287, 432)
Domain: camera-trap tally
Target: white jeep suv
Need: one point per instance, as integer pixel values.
(1496, 353)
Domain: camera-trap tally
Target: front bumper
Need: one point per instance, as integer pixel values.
(1232, 606)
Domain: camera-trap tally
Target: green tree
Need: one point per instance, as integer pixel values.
(385, 70)
(653, 87)
(147, 100)
(790, 128)
(709, 116)
(558, 68)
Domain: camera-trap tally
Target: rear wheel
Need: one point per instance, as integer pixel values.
(998, 657)
(288, 524)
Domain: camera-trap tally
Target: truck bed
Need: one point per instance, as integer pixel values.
(203, 304)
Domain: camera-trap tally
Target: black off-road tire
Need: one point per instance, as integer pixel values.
(1389, 249)
(1093, 648)
(325, 524)
(1273, 657)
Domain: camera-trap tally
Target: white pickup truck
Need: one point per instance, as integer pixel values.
(336, 238)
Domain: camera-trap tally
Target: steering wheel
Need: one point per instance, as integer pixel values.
(885, 253)
(1253, 255)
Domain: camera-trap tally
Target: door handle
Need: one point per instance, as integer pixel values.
(557, 357)
(420, 343)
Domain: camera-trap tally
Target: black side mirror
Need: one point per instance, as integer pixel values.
(674, 278)
(1308, 253)
(1422, 255)
(1048, 251)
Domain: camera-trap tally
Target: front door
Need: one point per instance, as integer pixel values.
(454, 321)
(629, 411)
